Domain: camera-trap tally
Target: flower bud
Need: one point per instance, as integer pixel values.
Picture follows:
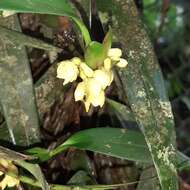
(114, 54)
(122, 63)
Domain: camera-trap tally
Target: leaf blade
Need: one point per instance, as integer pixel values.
(56, 7)
(16, 89)
(143, 86)
(115, 142)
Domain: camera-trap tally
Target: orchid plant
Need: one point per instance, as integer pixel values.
(94, 70)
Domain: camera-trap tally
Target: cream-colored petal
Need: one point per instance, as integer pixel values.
(122, 63)
(3, 184)
(8, 181)
(61, 69)
(93, 87)
(80, 91)
(98, 100)
(65, 82)
(87, 105)
(107, 64)
(82, 75)
(4, 163)
(72, 72)
(86, 70)
(76, 60)
(114, 54)
(68, 71)
(11, 181)
(103, 77)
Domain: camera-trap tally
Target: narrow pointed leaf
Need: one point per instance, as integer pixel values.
(94, 55)
(12, 155)
(143, 86)
(16, 89)
(107, 42)
(55, 7)
(35, 170)
(115, 142)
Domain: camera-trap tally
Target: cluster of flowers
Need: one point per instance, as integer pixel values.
(7, 180)
(94, 82)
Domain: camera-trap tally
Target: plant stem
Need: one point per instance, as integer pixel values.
(35, 183)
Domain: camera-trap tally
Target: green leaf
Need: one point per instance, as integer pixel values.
(35, 170)
(19, 159)
(16, 89)
(144, 88)
(46, 95)
(81, 178)
(6, 153)
(107, 42)
(119, 111)
(94, 55)
(153, 183)
(123, 114)
(115, 142)
(183, 162)
(40, 153)
(55, 7)
(125, 139)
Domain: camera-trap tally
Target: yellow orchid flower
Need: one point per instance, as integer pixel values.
(122, 63)
(90, 91)
(103, 77)
(95, 94)
(87, 105)
(114, 54)
(94, 82)
(68, 71)
(107, 64)
(86, 70)
(97, 100)
(8, 181)
(76, 60)
(93, 87)
(80, 91)
(82, 74)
